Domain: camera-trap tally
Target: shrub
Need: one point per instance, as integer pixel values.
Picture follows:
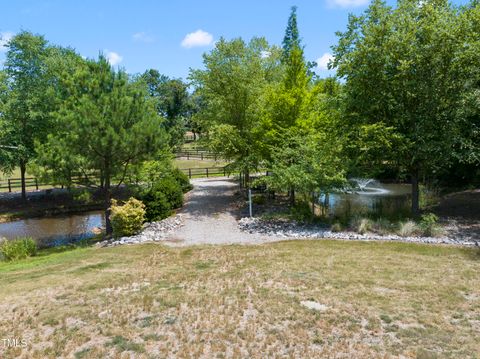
(182, 179)
(172, 191)
(429, 226)
(259, 199)
(160, 200)
(336, 227)
(157, 206)
(83, 196)
(383, 226)
(407, 229)
(127, 220)
(18, 248)
(361, 225)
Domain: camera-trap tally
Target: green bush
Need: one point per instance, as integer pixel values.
(383, 226)
(83, 196)
(182, 179)
(156, 205)
(429, 225)
(172, 191)
(127, 219)
(19, 248)
(160, 200)
(259, 199)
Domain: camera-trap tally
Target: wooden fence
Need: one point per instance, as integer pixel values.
(205, 172)
(13, 184)
(195, 154)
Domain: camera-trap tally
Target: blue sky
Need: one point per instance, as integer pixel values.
(172, 35)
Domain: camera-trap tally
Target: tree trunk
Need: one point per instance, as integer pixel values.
(313, 204)
(247, 178)
(108, 223)
(415, 195)
(23, 169)
(292, 196)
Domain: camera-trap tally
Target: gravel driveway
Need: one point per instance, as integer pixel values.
(209, 215)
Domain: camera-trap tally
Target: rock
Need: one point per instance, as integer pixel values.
(310, 304)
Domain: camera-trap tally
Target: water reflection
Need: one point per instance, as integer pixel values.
(377, 199)
(54, 231)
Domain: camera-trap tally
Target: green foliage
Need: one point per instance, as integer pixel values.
(82, 195)
(292, 37)
(172, 191)
(429, 225)
(127, 219)
(231, 88)
(20, 248)
(402, 73)
(157, 206)
(172, 102)
(160, 200)
(182, 179)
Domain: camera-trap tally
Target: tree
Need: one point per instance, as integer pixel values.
(105, 125)
(309, 164)
(284, 101)
(231, 86)
(172, 100)
(398, 73)
(25, 115)
(291, 39)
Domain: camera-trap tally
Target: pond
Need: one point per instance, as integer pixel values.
(55, 231)
(370, 197)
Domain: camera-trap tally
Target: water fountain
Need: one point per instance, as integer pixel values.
(368, 186)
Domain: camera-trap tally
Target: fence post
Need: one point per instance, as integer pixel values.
(188, 155)
(36, 184)
(202, 157)
(9, 186)
(224, 172)
(207, 171)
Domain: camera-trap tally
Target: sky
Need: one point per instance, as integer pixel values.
(171, 36)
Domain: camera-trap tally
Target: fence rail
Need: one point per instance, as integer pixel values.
(205, 172)
(201, 155)
(13, 184)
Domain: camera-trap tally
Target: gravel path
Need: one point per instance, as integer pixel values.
(209, 215)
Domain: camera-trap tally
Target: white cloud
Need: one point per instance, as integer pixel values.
(347, 3)
(113, 58)
(197, 38)
(322, 61)
(142, 37)
(5, 37)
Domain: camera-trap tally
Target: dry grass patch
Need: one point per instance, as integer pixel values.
(377, 300)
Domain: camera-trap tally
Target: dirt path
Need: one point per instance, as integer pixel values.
(209, 215)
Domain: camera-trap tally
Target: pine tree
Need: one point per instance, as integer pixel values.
(292, 37)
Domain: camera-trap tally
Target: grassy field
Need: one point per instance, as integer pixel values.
(381, 300)
(180, 163)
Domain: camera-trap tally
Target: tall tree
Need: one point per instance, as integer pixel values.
(398, 73)
(231, 86)
(292, 37)
(26, 113)
(172, 100)
(109, 124)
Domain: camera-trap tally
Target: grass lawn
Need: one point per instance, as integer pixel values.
(382, 300)
(196, 163)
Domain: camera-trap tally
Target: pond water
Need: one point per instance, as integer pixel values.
(370, 197)
(55, 231)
